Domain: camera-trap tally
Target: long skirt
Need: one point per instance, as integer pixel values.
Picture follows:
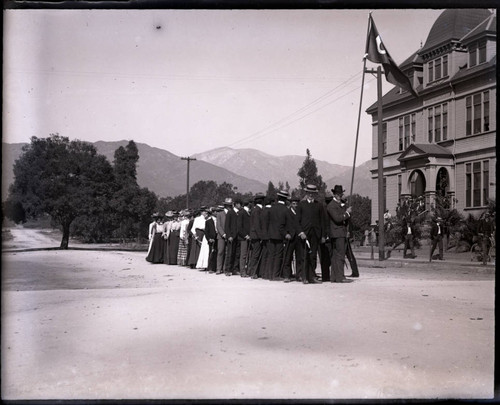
(155, 254)
(202, 262)
(182, 253)
(173, 247)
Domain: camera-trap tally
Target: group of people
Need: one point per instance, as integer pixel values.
(262, 238)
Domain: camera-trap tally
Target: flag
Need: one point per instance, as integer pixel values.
(376, 52)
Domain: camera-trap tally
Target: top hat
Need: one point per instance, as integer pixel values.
(338, 189)
(311, 188)
(283, 194)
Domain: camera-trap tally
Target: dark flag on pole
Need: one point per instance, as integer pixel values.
(376, 52)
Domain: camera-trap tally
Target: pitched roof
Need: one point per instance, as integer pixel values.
(488, 25)
(418, 150)
(453, 24)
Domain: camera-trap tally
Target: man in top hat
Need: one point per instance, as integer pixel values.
(256, 235)
(311, 229)
(325, 249)
(436, 237)
(280, 226)
(220, 223)
(339, 214)
(294, 245)
(231, 232)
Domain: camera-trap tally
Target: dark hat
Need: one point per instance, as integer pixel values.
(203, 208)
(259, 197)
(338, 189)
(238, 201)
(295, 198)
(228, 201)
(311, 188)
(283, 194)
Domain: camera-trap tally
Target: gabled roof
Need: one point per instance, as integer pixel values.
(420, 150)
(487, 26)
(474, 70)
(415, 58)
(452, 25)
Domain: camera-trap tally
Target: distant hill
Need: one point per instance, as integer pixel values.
(248, 169)
(157, 169)
(258, 165)
(362, 180)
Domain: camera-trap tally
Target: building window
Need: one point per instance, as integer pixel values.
(438, 68)
(399, 187)
(384, 138)
(477, 184)
(477, 113)
(477, 53)
(407, 125)
(438, 123)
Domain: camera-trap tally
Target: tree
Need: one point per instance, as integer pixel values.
(125, 163)
(62, 179)
(308, 174)
(271, 190)
(361, 215)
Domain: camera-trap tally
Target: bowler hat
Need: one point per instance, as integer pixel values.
(338, 189)
(311, 188)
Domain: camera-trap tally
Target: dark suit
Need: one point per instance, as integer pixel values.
(256, 236)
(244, 242)
(310, 218)
(211, 235)
(437, 239)
(325, 249)
(221, 242)
(231, 229)
(264, 262)
(338, 231)
(408, 232)
(294, 246)
(280, 224)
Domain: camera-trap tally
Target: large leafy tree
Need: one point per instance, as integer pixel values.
(62, 178)
(308, 174)
(131, 205)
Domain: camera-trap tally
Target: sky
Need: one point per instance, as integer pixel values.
(188, 81)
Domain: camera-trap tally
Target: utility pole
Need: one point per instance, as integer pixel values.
(187, 184)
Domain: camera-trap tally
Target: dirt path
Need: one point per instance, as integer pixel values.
(108, 325)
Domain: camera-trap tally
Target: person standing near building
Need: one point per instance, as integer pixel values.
(256, 235)
(408, 234)
(485, 232)
(310, 218)
(244, 237)
(339, 215)
(436, 237)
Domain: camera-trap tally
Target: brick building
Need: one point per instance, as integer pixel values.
(444, 141)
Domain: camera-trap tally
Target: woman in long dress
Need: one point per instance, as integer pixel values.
(183, 239)
(155, 253)
(202, 262)
(173, 239)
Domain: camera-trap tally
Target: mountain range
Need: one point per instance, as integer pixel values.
(247, 169)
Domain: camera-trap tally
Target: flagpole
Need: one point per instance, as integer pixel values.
(360, 105)
(380, 158)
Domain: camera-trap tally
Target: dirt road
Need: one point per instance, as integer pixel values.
(108, 325)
